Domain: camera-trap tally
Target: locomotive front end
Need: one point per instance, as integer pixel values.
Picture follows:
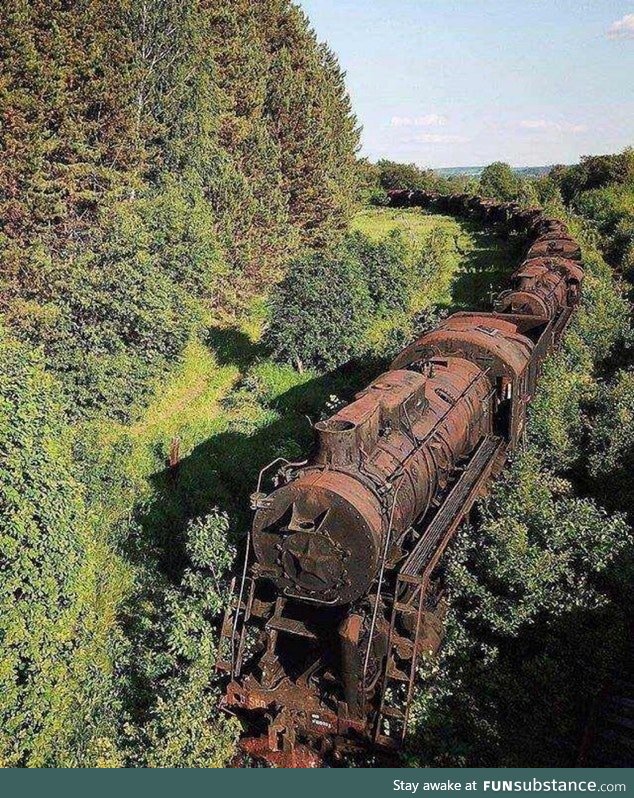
(319, 538)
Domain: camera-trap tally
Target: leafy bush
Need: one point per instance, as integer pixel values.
(117, 316)
(526, 630)
(386, 271)
(60, 585)
(611, 211)
(612, 425)
(593, 172)
(393, 175)
(499, 182)
(568, 382)
(174, 683)
(321, 311)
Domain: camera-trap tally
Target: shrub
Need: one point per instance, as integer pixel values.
(112, 318)
(59, 588)
(180, 724)
(389, 277)
(568, 383)
(321, 311)
(526, 629)
(499, 182)
(612, 425)
(595, 171)
(393, 175)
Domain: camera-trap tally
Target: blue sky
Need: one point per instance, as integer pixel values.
(466, 82)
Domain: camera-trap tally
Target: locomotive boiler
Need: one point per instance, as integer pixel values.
(341, 589)
(379, 463)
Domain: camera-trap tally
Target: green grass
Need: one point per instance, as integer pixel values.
(476, 263)
(377, 223)
(234, 410)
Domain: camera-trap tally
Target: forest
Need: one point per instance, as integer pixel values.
(195, 267)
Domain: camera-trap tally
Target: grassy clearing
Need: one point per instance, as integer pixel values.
(475, 264)
(414, 223)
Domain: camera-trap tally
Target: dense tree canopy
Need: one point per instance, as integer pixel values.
(155, 148)
(160, 160)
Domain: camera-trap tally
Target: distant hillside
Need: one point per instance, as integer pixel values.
(476, 171)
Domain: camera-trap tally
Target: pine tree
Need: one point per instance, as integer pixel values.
(310, 115)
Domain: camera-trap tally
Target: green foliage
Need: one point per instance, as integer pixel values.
(568, 382)
(601, 190)
(499, 182)
(593, 172)
(370, 296)
(312, 121)
(321, 311)
(153, 151)
(526, 598)
(370, 191)
(611, 211)
(612, 425)
(57, 593)
(393, 175)
(154, 147)
(122, 313)
(178, 642)
(386, 271)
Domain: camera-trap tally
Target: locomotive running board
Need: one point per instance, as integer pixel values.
(453, 510)
(411, 592)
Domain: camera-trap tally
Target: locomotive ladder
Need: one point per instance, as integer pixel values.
(234, 627)
(411, 591)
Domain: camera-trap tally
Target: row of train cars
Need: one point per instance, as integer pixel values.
(341, 590)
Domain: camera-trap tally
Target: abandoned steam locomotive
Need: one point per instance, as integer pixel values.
(340, 592)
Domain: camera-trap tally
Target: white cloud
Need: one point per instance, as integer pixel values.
(535, 124)
(435, 138)
(577, 128)
(558, 127)
(622, 28)
(428, 120)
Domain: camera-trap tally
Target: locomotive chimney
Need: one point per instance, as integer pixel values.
(352, 430)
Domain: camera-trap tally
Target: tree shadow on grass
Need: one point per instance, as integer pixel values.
(222, 471)
(486, 269)
(233, 347)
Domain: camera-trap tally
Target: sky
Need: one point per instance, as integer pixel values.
(467, 82)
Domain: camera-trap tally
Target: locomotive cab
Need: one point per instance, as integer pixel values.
(496, 345)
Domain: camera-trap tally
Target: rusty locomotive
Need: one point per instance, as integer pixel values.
(341, 588)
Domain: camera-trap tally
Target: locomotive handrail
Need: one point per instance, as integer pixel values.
(375, 610)
(245, 566)
(243, 581)
(271, 464)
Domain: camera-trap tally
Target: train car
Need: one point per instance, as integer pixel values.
(498, 348)
(542, 287)
(554, 244)
(548, 224)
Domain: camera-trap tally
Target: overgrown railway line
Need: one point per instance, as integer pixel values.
(341, 591)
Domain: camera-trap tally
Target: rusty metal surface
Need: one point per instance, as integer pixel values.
(542, 287)
(325, 629)
(554, 244)
(492, 342)
(379, 463)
